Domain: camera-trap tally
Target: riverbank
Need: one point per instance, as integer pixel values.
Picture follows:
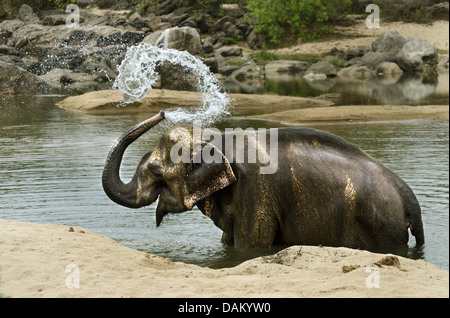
(287, 109)
(49, 260)
(357, 114)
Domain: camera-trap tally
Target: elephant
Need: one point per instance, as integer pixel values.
(325, 191)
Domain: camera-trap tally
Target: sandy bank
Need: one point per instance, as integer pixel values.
(437, 34)
(45, 260)
(111, 101)
(357, 113)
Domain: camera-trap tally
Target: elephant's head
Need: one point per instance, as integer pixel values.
(180, 184)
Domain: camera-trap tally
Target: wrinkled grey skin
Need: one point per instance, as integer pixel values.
(326, 191)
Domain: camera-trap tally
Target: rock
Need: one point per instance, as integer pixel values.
(417, 55)
(25, 39)
(207, 48)
(232, 10)
(166, 7)
(27, 15)
(249, 78)
(220, 24)
(7, 50)
(152, 37)
(389, 43)
(183, 39)
(55, 19)
(353, 52)
(107, 35)
(204, 22)
(373, 59)
(230, 51)
(189, 22)
(58, 19)
(15, 80)
(439, 11)
(132, 37)
(388, 68)
(319, 69)
(51, 81)
(356, 73)
(13, 59)
(255, 40)
(315, 76)
(211, 62)
(286, 66)
(98, 68)
(227, 26)
(7, 28)
(443, 62)
(79, 82)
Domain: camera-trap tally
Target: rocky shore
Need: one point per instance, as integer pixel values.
(45, 54)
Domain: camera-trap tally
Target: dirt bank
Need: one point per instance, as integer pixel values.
(111, 101)
(357, 113)
(62, 261)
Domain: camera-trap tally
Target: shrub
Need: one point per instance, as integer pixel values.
(304, 18)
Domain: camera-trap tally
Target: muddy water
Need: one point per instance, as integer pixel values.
(51, 163)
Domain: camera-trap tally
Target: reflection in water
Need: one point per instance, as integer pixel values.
(51, 164)
(406, 89)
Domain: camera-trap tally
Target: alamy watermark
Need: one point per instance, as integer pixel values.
(373, 280)
(235, 145)
(73, 279)
(373, 20)
(73, 19)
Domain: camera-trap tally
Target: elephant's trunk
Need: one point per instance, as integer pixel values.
(119, 192)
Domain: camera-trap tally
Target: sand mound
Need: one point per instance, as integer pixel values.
(62, 261)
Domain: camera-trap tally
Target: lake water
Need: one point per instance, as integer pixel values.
(51, 163)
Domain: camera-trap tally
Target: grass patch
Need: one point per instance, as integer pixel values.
(264, 57)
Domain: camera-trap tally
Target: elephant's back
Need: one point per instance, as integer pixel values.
(318, 140)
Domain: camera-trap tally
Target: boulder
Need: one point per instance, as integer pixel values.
(7, 50)
(286, 66)
(388, 68)
(7, 28)
(354, 52)
(227, 26)
(80, 83)
(51, 81)
(417, 55)
(249, 78)
(14, 79)
(204, 22)
(255, 40)
(27, 15)
(389, 43)
(230, 51)
(356, 73)
(182, 39)
(321, 70)
(286, 70)
(373, 59)
(152, 37)
(439, 11)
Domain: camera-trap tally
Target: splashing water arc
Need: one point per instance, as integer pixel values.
(137, 75)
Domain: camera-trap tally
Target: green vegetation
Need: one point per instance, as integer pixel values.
(264, 57)
(306, 19)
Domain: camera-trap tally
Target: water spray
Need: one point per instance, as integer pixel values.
(137, 74)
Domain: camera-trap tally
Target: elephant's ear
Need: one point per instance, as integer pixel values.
(207, 178)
